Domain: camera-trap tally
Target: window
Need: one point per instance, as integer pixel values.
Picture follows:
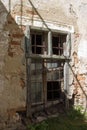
(55, 79)
(55, 71)
(53, 90)
(36, 82)
(47, 78)
(38, 43)
(36, 92)
(57, 44)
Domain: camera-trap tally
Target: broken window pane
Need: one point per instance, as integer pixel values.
(37, 43)
(57, 44)
(53, 90)
(36, 92)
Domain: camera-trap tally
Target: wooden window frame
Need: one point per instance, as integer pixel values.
(42, 46)
(48, 56)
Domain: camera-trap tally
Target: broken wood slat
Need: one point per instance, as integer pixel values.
(44, 77)
(40, 71)
(53, 57)
(49, 43)
(27, 41)
(28, 71)
(28, 103)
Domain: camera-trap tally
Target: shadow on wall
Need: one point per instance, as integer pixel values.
(11, 54)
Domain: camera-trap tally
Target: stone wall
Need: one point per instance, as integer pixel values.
(12, 64)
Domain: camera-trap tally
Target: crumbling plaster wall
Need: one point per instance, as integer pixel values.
(12, 64)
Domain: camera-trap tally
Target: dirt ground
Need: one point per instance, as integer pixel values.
(20, 122)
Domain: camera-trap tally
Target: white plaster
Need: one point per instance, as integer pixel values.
(82, 49)
(38, 23)
(9, 4)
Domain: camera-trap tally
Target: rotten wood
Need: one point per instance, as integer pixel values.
(44, 76)
(28, 71)
(53, 57)
(28, 111)
(50, 43)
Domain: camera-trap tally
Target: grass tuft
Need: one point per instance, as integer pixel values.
(71, 120)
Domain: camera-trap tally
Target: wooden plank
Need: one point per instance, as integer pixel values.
(44, 76)
(27, 41)
(41, 28)
(67, 46)
(49, 43)
(28, 71)
(66, 84)
(28, 102)
(48, 57)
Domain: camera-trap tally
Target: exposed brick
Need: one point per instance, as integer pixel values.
(22, 27)
(22, 83)
(10, 54)
(77, 35)
(17, 35)
(15, 42)
(80, 77)
(9, 22)
(31, 12)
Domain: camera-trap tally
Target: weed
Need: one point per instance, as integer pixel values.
(40, 126)
(74, 119)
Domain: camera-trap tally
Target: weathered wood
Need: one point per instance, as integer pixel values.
(44, 76)
(66, 84)
(50, 43)
(28, 71)
(67, 46)
(67, 53)
(41, 28)
(48, 57)
(27, 41)
(28, 103)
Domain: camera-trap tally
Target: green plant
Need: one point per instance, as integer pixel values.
(30, 127)
(75, 113)
(74, 119)
(79, 108)
(40, 126)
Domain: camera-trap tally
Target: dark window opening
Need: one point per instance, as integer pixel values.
(37, 43)
(50, 76)
(55, 51)
(53, 90)
(38, 50)
(57, 44)
(33, 39)
(38, 39)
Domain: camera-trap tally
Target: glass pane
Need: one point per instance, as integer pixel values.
(53, 90)
(38, 50)
(38, 39)
(55, 41)
(36, 92)
(55, 51)
(52, 65)
(33, 39)
(36, 65)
